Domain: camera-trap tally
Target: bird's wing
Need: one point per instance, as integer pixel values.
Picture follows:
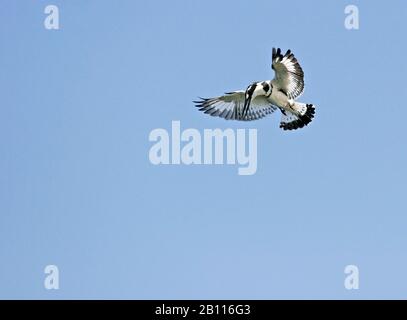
(289, 75)
(230, 106)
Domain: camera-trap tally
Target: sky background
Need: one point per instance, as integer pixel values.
(77, 189)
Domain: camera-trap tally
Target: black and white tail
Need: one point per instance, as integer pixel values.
(291, 121)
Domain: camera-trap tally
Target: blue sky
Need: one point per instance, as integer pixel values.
(77, 189)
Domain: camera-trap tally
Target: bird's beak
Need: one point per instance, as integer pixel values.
(246, 107)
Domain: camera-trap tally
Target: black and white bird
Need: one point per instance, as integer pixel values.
(264, 97)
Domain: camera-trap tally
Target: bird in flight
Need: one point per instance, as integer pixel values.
(265, 97)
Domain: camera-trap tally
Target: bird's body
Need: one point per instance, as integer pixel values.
(264, 97)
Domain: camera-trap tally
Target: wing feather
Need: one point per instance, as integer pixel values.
(289, 75)
(230, 106)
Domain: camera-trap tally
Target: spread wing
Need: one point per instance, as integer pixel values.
(289, 75)
(230, 106)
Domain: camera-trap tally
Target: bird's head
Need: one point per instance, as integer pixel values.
(258, 89)
(251, 92)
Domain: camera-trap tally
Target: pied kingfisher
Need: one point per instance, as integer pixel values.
(264, 97)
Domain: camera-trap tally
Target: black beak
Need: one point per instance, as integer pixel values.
(246, 106)
(248, 98)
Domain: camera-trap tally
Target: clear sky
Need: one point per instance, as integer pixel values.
(78, 191)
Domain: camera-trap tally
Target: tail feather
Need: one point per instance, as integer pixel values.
(291, 121)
